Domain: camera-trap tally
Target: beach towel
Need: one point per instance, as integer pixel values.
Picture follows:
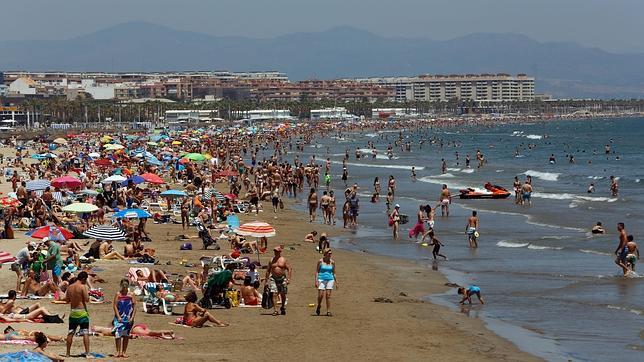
(18, 342)
(23, 356)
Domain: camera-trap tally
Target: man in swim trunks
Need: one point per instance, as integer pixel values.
(444, 200)
(278, 275)
(633, 253)
(54, 260)
(471, 228)
(621, 250)
(526, 193)
(78, 298)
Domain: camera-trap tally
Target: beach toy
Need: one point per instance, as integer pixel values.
(423, 244)
(311, 304)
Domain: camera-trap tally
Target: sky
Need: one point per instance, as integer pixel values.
(613, 25)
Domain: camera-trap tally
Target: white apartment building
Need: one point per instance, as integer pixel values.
(336, 113)
(201, 115)
(475, 87)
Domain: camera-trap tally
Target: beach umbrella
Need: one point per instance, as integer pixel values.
(7, 201)
(173, 193)
(136, 179)
(106, 139)
(60, 141)
(37, 185)
(152, 143)
(51, 231)
(80, 208)
(152, 178)
(132, 214)
(153, 161)
(66, 182)
(194, 157)
(94, 155)
(176, 143)
(256, 229)
(5, 257)
(114, 147)
(232, 221)
(103, 162)
(105, 232)
(114, 178)
(219, 196)
(230, 196)
(88, 192)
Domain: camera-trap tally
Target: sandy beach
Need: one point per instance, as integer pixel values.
(408, 328)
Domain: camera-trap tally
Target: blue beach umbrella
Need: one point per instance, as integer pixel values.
(132, 214)
(173, 193)
(136, 179)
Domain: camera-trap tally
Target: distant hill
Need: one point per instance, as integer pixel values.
(563, 69)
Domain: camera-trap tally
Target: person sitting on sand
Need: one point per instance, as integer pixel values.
(598, 229)
(138, 330)
(249, 294)
(107, 252)
(188, 283)
(31, 316)
(310, 237)
(8, 306)
(195, 316)
(42, 341)
(11, 334)
(32, 286)
(469, 292)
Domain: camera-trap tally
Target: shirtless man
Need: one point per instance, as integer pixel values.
(622, 250)
(444, 200)
(633, 254)
(278, 276)
(78, 297)
(471, 229)
(614, 187)
(526, 193)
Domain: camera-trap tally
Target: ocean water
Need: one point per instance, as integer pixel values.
(550, 286)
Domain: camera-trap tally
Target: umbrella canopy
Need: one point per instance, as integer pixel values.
(232, 221)
(80, 208)
(136, 179)
(60, 141)
(256, 229)
(194, 157)
(152, 178)
(103, 162)
(219, 196)
(114, 147)
(37, 185)
(88, 192)
(6, 257)
(53, 232)
(173, 193)
(94, 155)
(113, 178)
(176, 143)
(7, 201)
(230, 196)
(66, 182)
(43, 156)
(132, 214)
(105, 232)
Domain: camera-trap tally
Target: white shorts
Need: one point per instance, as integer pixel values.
(325, 284)
(430, 223)
(445, 202)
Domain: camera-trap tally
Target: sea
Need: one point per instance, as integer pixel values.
(551, 287)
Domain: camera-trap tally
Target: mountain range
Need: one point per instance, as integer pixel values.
(563, 69)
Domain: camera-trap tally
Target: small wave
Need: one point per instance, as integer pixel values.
(519, 156)
(399, 167)
(540, 247)
(507, 244)
(371, 135)
(534, 137)
(467, 170)
(546, 176)
(566, 196)
(596, 177)
(631, 310)
(439, 181)
(588, 251)
(554, 237)
(498, 171)
(637, 180)
(385, 157)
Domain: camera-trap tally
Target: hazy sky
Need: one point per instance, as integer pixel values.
(614, 25)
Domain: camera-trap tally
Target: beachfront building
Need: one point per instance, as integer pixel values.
(335, 113)
(473, 87)
(196, 115)
(384, 113)
(265, 114)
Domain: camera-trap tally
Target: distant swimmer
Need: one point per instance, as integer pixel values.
(614, 186)
(552, 159)
(444, 200)
(443, 166)
(413, 173)
(598, 229)
(468, 292)
(591, 188)
(471, 229)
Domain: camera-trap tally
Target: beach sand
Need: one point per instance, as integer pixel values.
(361, 329)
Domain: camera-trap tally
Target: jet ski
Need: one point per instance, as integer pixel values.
(490, 192)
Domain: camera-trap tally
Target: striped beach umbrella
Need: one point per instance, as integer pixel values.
(6, 257)
(256, 229)
(219, 196)
(105, 232)
(37, 185)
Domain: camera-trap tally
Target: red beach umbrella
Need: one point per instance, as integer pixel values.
(66, 182)
(49, 230)
(152, 178)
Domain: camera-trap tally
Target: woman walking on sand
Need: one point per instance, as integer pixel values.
(313, 205)
(325, 279)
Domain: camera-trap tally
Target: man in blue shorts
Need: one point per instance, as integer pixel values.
(54, 260)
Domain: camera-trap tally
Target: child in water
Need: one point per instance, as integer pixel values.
(469, 292)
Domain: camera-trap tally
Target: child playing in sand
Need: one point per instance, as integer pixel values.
(469, 292)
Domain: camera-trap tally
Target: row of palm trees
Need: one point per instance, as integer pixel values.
(59, 109)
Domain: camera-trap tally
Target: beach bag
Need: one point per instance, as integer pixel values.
(281, 204)
(267, 298)
(391, 221)
(233, 297)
